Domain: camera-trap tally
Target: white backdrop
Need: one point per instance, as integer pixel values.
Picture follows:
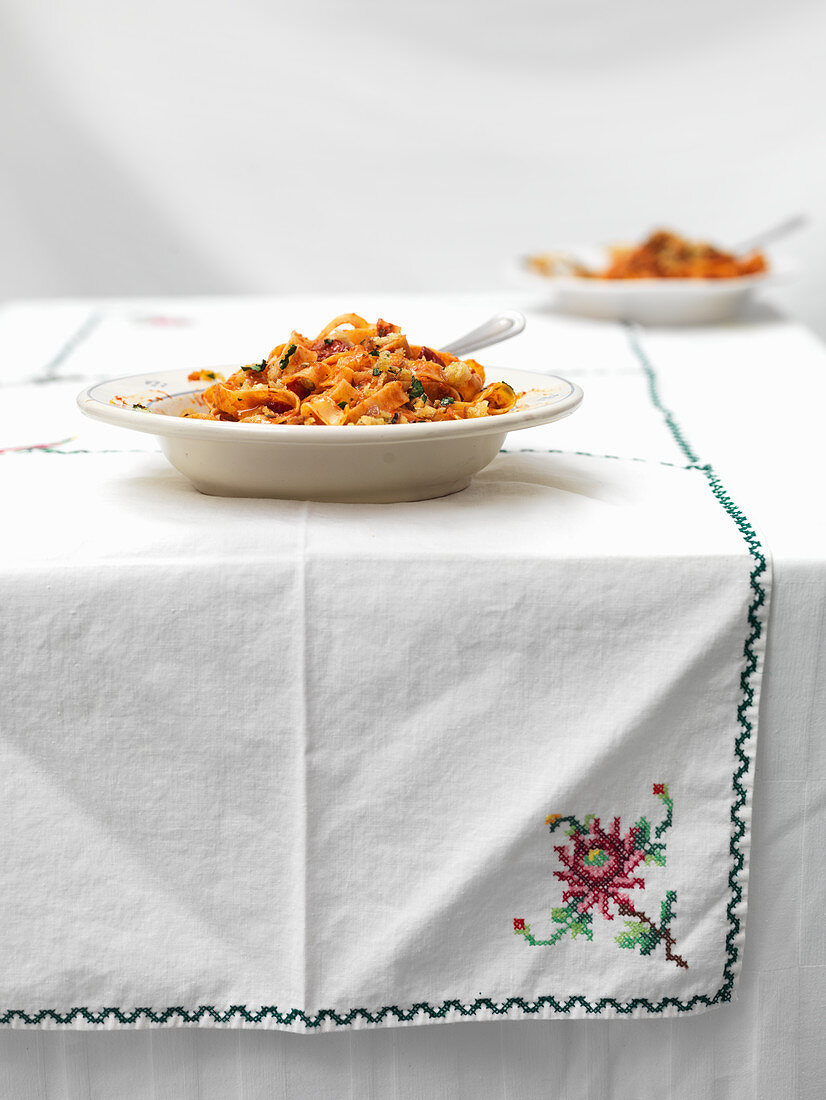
(174, 147)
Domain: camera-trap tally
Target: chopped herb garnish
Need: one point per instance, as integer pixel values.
(447, 400)
(291, 350)
(327, 341)
(376, 371)
(416, 388)
(375, 351)
(137, 406)
(251, 366)
(342, 404)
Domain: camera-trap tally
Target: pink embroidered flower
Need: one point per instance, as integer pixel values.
(519, 924)
(598, 867)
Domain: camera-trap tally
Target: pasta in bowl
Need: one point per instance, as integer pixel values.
(354, 373)
(357, 414)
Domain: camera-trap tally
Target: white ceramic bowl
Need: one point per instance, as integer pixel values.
(647, 301)
(377, 464)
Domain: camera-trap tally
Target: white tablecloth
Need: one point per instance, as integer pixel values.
(728, 386)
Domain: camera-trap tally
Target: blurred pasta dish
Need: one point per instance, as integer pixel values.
(663, 255)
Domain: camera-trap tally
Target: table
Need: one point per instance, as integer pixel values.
(752, 392)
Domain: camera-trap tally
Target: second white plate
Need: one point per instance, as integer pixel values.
(648, 301)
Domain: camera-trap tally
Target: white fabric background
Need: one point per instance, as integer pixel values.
(167, 147)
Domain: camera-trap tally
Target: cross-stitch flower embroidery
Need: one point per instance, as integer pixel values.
(598, 870)
(598, 867)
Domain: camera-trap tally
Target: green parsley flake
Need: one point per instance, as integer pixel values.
(447, 400)
(291, 350)
(342, 404)
(376, 371)
(416, 388)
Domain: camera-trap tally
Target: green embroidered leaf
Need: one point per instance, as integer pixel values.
(579, 928)
(648, 942)
(578, 924)
(656, 855)
(667, 908)
(666, 823)
(638, 935)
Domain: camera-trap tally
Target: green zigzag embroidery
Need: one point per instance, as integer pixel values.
(755, 630)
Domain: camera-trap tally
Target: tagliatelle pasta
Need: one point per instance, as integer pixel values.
(666, 255)
(353, 372)
(663, 255)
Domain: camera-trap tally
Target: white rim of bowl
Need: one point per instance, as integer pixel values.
(159, 424)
